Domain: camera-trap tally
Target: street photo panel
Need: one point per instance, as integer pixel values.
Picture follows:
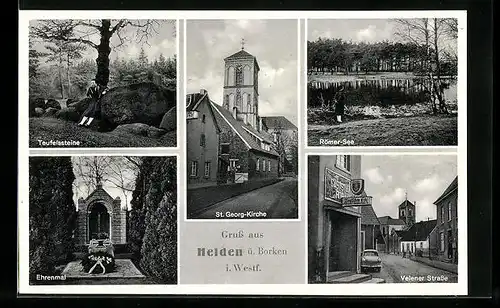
(241, 108)
(383, 219)
(382, 82)
(102, 83)
(97, 220)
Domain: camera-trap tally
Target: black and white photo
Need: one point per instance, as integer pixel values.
(102, 83)
(383, 218)
(382, 82)
(242, 136)
(102, 220)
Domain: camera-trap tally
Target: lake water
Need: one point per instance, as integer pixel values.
(377, 91)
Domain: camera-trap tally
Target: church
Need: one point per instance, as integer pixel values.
(230, 142)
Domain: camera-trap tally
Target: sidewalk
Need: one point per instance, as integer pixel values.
(449, 267)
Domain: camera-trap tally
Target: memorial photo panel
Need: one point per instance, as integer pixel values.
(382, 82)
(241, 107)
(102, 220)
(102, 83)
(383, 219)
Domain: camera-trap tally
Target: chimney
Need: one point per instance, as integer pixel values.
(235, 112)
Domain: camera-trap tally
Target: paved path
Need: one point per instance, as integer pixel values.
(277, 201)
(394, 267)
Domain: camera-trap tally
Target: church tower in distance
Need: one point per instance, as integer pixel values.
(241, 87)
(407, 212)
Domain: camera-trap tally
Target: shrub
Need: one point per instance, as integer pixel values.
(52, 213)
(159, 245)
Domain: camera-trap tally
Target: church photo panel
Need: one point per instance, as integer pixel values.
(102, 220)
(242, 119)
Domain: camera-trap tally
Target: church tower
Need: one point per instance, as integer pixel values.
(407, 212)
(241, 87)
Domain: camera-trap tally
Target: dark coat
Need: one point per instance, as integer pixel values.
(94, 108)
(340, 101)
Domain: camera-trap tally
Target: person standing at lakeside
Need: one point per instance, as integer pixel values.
(340, 104)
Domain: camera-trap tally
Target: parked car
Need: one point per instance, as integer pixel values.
(370, 260)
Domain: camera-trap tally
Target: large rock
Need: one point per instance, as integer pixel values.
(140, 129)
(50, 112)
(35, 103)
(52, 103)
(81, 105)
(39, 111)
(68, 114)
(137, 103)
(169, 120)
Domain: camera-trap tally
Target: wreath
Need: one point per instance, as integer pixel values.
(98, 263)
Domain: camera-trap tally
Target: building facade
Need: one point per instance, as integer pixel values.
(416, 240)
(202, 141)
(285, 135)
(334, 230)
(444, 237)
(229, 143)
(389, 242)
(99, 215)
(370, 228)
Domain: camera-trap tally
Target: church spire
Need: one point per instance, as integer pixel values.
(242, 43)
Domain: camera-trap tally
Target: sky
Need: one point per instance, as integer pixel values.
(361, 30)
(163, 41)
(273, 42)
(423, 177)
(80, 189)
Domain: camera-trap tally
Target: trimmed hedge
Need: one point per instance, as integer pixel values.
(52, 213)
(153, 219)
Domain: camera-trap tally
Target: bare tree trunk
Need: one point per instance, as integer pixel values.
(438, 89)
(103, 51)
(68, 75)
(60, 75)
(428, 67)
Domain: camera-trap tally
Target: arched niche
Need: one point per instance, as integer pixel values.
(230, 76)
(98, 219)
(231, 101)
(247, 75)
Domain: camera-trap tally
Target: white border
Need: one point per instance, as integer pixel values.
(179, 151)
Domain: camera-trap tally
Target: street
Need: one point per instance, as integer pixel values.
(276, 201)
(396, 269)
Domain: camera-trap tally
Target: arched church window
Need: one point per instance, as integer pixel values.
(238, 99)
(249, 107)
(231, 101)
(230, 76)
(226, 101)
(245, 99)
(239, 76)
(247, 75)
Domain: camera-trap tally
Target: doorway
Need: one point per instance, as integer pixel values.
(99, 225)
(343, 242)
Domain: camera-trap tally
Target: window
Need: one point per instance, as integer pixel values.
(409, 212)
(224, 148)
(403, 213)
(449, 210)
(194, 168)
(230, 76)
(442, 214)
(203, 119)
(258, 164)
(207, 169)
(232, 163)
(269, 165)
(239, 76)
(421, 245)
(263, 165)
(202, 140)
(344, 162)
(441, 241)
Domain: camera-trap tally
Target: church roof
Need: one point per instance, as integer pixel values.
(453, 186)
(278, 122)
(242, 54)
(368, 216)
(419, 231)
(99, 193)
(388, 220)
(243, 130)
(406, 203)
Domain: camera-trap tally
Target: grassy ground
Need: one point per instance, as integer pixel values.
(47, 129)
(427, 130)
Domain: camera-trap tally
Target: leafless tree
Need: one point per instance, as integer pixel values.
(97, 34)
(116, 171)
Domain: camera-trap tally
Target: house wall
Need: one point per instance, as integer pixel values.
(256, 156)
(370, 234)
(446, 225)
(207, 153)
(424, 245)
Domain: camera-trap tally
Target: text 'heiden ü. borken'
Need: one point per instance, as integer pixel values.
(239, 252)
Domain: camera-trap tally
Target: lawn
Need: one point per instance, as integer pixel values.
(47, 129)
(425, 130)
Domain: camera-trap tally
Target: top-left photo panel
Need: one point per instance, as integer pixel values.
(102, 83)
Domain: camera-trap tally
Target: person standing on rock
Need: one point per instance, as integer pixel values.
(95, 92)
(339, 104)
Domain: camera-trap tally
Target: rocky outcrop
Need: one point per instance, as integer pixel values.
(144, 103)
(169, 120)
(68, 114)
(140, 129)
